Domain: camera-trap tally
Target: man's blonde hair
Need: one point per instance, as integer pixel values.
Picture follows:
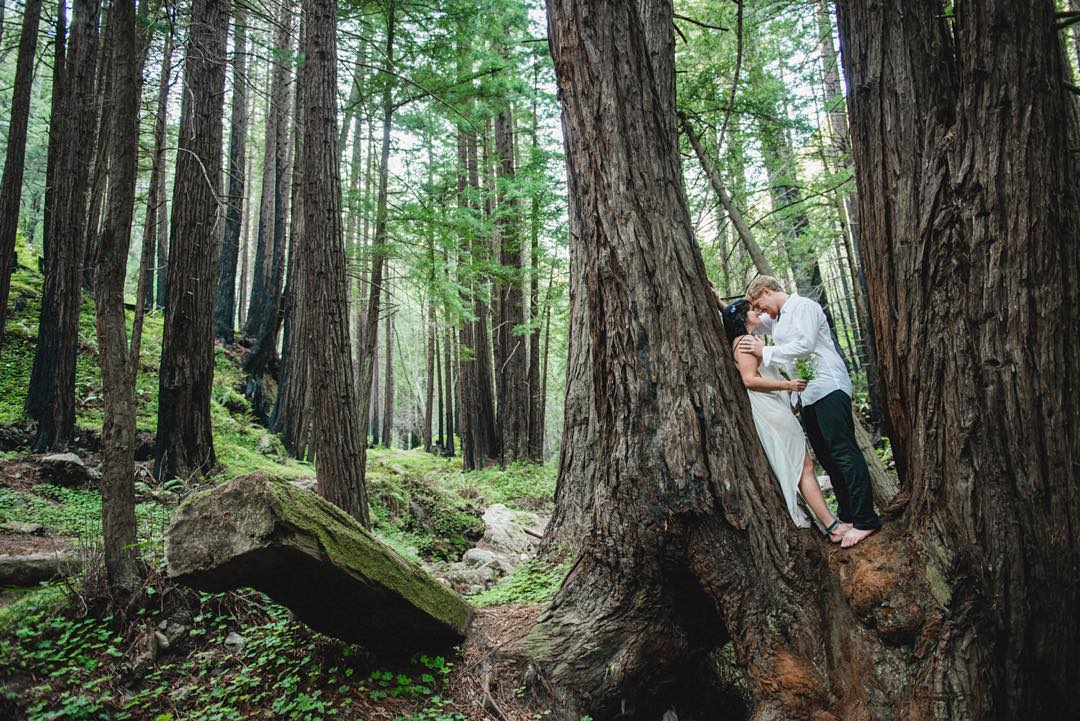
(761, 284)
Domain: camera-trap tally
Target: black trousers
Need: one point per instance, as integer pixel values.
(831, 431)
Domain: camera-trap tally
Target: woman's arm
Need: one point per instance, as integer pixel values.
(748, 367)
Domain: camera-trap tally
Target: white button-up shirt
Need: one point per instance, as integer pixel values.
(803, 332)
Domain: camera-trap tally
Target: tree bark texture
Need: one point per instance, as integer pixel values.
(225, 296)
(688, 545)
(51, 400)
(185, 443)
(970, 218)
(55, 113)
(338, 428)
(118, 364)
(264, 316)
(388, 382)
(365, 397)
(511, 375)
(155, 195)
(14, 160)
(292, 415)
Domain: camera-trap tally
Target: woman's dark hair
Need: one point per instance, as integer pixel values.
(735, 319)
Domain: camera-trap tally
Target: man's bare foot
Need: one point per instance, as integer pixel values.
(854, 536)
(839, 532)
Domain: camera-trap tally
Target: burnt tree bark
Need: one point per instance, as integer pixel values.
(264, 314)
(51, 399)
(338, 427)
(185, 442)
(14, 162)
(119, 363)
(225, 295)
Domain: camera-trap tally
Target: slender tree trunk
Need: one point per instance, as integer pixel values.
(838, 124)
(292, 415)
(513, 398)
(55, 113)
(734, 214)
(378, 242)
(536, 402)
(225, 297)
(185, 442)
(448, 390)
(245, 251)
(100, 141)
(11, 185)
(118, 364)
(152, 227)
(162, 233)
(388, 385)
(339, 450)
(374, 426)
(265, 314)
(51, 399)
(440, 438)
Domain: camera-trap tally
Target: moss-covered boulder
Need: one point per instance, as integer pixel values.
(311, 557)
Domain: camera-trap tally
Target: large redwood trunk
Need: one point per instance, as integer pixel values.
(957, 609)
(11, 186)
(337, 423)
(185, 443)
(969, 209)
(51, 398)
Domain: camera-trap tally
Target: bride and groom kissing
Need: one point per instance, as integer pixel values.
(801, 337)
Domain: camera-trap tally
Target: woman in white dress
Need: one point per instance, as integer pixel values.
(779, 431)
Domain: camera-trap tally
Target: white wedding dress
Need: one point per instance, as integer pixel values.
(782, 437)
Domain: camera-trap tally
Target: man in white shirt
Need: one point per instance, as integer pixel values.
(800, 332)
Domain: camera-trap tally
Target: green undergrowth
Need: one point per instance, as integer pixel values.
(74, 512)
(535, 581)
(64, 664)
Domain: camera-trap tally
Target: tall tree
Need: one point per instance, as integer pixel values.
(367, 360)
(185, 443)
(388, 381)
(946, 227)
(55, 113)
(511, 375)
(51, 398)
(153, 227)
(264, 315)
(11, 185)
(119, 363)
(338, 428)
(225, 296)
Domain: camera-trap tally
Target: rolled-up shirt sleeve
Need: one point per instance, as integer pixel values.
(800, 336)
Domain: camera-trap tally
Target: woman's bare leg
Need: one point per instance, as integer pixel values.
(811, 493)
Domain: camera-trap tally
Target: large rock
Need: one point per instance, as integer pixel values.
(310, 556)
(505, 532)
(65, 469)
(32, 568)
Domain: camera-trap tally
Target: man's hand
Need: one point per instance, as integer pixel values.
(752, 345)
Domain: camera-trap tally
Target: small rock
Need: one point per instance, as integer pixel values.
(234, 641)
(165, 498)
(162, 641)
(34, 529)
(308, 484)
(64, 469)
(182, 694)
(504, 532)
(266, 446)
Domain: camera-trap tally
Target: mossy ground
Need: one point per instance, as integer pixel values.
(62, 655)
